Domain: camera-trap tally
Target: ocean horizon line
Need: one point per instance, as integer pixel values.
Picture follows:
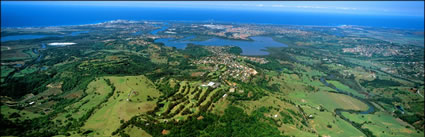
(200, 21)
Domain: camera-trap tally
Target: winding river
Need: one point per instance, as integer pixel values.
(35, 50)
(339, 111)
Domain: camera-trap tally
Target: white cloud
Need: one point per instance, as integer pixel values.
(312, 7)
(279, 5)
(345, 8)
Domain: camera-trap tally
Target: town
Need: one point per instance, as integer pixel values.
(230, 65)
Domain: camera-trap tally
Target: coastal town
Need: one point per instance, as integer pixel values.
(230, 65)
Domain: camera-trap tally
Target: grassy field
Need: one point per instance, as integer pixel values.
(128, 100)
(323, 123)
(384, 124)
(96, 93)
(220, 106)
(136, 132)
(30, 53)
(26, 71)
(305, 89)
(24, 114)
(267, 101)
(291, 130)
(328, 100)
(327, 124)
(345, 88)
(288, 116)
(5, 70)
(11, 51)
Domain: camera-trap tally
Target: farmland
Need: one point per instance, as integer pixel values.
(383, 124)
(128, 99)
(115, 83)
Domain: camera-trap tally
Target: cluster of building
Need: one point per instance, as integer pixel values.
(232, 32)
(232, 68)
(243, 32)
(369, 51)
(240, 72)
(139, 42)
(255, 59)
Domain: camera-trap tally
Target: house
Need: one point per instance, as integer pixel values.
(211, 84)
(31, 103)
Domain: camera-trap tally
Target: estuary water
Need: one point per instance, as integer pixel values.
(22, 37)
(27, 37)
(254, 47)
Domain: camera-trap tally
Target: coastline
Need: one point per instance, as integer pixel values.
(207, 21)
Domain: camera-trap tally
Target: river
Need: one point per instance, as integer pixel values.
(339, 91)
(339, 111)
(35, 50)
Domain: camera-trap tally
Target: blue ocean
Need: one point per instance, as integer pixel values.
(48, 15)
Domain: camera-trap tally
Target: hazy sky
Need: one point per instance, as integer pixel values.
(403, 8)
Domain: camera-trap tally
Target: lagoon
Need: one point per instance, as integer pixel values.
(22, 37)
(27, 37)
(252, 47)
